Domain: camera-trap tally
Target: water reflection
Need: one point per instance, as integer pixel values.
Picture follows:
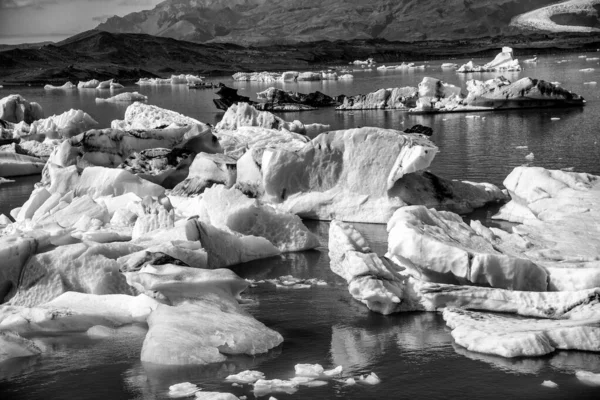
(562, 361)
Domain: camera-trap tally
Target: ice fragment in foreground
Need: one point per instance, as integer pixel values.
(549, 384)
(588, 378)
(246, 377)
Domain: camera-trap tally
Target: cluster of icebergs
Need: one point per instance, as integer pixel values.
(290, 76)
(138, 223)
(173, 80)
(91, 84)
(545, 272)
(434, 95)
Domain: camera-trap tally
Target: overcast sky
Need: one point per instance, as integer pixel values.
(26, 21)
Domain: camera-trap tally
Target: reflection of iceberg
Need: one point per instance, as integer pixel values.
(360, 346)
(562, 361)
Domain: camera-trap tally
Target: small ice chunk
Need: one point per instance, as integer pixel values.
(587, 70)
(550, 384)
(521, 147)
(184, 389)
(235, 384)
(590, 83)
(314, 383)
(589, 378)
(554, 119)
(556, 83)
(246, 377)
(215, 396)
(263, 387)
(371, 379)
(302, 379)
(332, 372)
(350, 381)
(308, 369)
(529, 157)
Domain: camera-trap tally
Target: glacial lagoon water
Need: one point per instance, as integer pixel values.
(412, 353)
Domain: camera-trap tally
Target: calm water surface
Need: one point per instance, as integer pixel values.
(413, 353)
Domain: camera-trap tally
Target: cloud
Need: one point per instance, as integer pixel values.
(25, 3)
(102, 18)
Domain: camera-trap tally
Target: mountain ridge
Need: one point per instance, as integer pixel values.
(253, 22)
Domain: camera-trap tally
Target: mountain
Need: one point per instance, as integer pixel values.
(292, 21)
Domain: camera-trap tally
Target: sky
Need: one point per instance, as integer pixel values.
(31, 21)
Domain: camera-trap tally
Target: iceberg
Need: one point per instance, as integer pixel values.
(550, 384)
(215, 396)
(559, 213)
(105, 84)
(77, 312)
(12, 345)
(437, 246)
(91, 84)
(263, 387)
(257, 76)
(325, 178)
(123, 97)
(141, 116)
(504, 61)
(280, 100)
(205, 171)
(383, 99)
(66, 86)
(508, 336)
(243, 114)
(184, 389)
(229, 209)
(15, 108)
(203, 331)
(63, 126)
(588, 378)
(246, 377)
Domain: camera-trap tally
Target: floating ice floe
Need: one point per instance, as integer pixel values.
(123, 97)
(550, 384)
(504, 61)
(592, 59)
(587, 70)
(184, 389)
(262, 387)
(289, 282)
(531, 60)
(246, 377)
(449, 66)
(521, 147)
(66, 86)
(530, 157)
(589, 378)
(371, 379)
(508, 336)
(590, 83)
(215, 396)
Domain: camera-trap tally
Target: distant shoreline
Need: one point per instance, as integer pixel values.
(128, 57)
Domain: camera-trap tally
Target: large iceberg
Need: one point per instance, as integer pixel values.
(141, 116)
(65, 86)
(438, 246)
(326, 179)
(435, 96)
